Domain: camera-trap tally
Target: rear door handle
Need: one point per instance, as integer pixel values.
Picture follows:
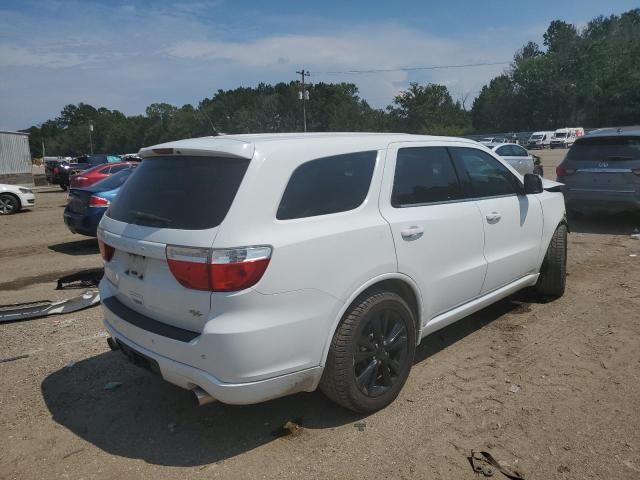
(493, 217)
(412, 233)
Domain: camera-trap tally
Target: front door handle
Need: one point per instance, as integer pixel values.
(493, 217)
(412, 233)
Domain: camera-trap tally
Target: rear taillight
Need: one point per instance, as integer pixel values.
(96, 201)
(562, 171)
(56, 169)
(218, 270)
(636, 171)
(106, 251)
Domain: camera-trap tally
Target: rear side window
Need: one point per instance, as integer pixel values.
(116, 169)
(505, 151)
(424, 175)
(487, 176)
(327, 185)
(114, 181)
(605, 148)
(188, 193)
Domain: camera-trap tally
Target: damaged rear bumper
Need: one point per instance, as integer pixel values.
(189, 377)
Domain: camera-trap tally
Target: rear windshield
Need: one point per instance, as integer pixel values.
(113, 181)
(189, 193)
(605, 148)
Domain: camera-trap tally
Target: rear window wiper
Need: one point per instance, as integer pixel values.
(149, 217)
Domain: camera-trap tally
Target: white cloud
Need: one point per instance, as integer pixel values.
(129, 57)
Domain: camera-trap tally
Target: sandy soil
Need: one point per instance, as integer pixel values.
(552, 389)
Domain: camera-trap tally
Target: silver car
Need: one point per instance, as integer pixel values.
(601, 171)
(517, 156)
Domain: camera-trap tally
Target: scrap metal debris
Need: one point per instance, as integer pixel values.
(42, 308)
(360, 426)
(484, 463)
(82, 279)
(11, 359)
(289, 429)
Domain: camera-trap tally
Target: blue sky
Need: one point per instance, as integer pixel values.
(125, 55)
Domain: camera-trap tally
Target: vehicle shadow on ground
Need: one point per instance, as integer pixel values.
(607, 224)
(78, 247)
(149, 419)
(437, 341)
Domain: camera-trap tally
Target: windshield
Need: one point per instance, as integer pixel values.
(114, 181)
(190, 193)
(536, 137)
(605, 148)
(560, 135)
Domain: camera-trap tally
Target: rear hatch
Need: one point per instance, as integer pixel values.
(604, 163)
(175, 201)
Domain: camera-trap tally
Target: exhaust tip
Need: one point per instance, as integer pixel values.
(202, 397)
(113, 344)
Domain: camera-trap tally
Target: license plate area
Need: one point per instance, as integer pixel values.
(135, 266)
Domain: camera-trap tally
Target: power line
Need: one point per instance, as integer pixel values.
(410, 69)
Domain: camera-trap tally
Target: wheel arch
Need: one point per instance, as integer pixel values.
(16, 197)
(398, 283)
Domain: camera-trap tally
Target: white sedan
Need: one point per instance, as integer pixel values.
(517, 156)
(14, 198)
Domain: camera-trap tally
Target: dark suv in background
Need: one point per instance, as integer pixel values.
(601, 171)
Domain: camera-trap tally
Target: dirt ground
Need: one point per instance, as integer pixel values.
(552, 389)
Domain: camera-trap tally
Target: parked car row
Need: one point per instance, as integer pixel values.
(61, 172)
(86, 205)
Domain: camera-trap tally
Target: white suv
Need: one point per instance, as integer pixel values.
(250, 267)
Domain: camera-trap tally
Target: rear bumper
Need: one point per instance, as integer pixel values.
(84, 223)
(189, 377)
(257, 347)
(601, 200)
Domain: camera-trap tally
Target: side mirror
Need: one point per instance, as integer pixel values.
(532, 184)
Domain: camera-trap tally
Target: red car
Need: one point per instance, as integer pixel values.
(92, 175)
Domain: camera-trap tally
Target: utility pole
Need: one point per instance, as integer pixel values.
(90, 139)
(304, 96)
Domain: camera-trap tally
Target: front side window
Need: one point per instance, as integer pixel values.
(424, 175)
(487, 176)
(328, 185)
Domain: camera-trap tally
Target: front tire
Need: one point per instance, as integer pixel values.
(8, 204)
(553, 273)
(371, 353)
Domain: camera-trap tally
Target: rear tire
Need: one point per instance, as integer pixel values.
(8, 204)
(553, 273)
(371, 353)
(63, 187)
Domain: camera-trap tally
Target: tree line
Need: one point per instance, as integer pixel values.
(588, 77)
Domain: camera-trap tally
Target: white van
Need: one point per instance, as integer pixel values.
(540, 140)
(564, 137)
